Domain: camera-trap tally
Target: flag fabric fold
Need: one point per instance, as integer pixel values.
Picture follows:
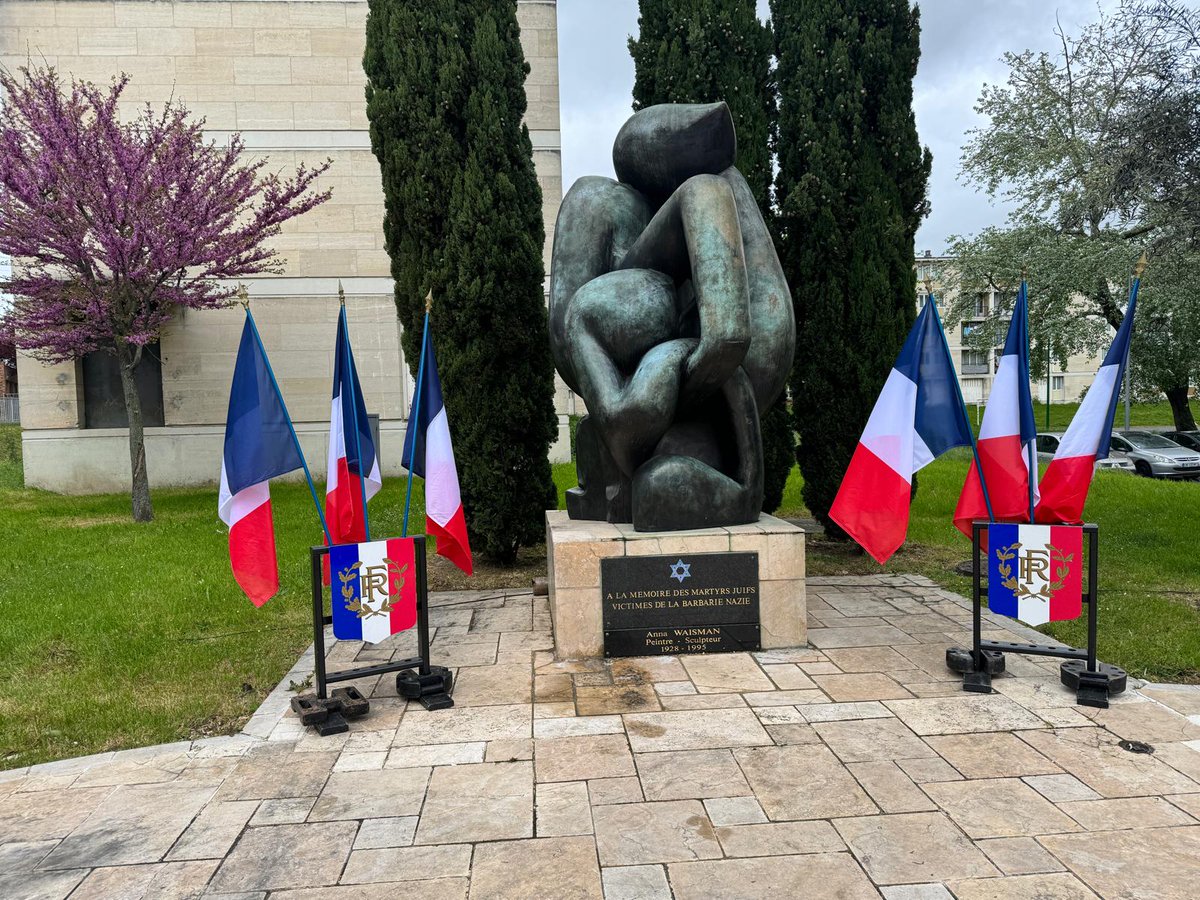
(919, 416)
(258, 446)
(429, 453)
(352, 475)
(1068, 478)
(1007, 437)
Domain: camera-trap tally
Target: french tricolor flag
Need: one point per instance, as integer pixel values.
(351, 449)
(918, 417)
(1007, 437)
(258, 446)
(1069, 476)
(429, 454)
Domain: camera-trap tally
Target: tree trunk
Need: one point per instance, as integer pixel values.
(127, 360)
(1178, 398)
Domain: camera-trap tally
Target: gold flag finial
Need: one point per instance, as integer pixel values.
(341, 293)
(243, 296)
(928, 285)
(1142, 262)
(429, 301)
(1024, 273)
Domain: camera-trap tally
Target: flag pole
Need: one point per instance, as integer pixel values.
(1143, 260)
(1032, 450)
(415, 427)
(245, 301)
(961, 403)
(350, 373)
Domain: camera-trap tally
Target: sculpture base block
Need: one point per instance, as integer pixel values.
(575, 548)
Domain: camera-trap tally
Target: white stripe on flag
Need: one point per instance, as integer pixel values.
(1090, 423)
(890, 431)
(1034, 610)
(377, 627)
(233, 508)
(1002, 417)
(442, 496)
(337, 445)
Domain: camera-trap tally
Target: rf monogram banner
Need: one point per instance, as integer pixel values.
(374, 589)
(1035, 572)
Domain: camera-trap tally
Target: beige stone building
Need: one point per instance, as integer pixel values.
(287, 75)
(976, 368)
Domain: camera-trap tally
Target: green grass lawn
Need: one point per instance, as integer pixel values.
(1149, 575)
(1153, 415)
(118, 635)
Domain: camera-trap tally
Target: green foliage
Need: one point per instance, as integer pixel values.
(700, 52)
(445, 101)
(851, 191)
(779, 450)
(1096, 144)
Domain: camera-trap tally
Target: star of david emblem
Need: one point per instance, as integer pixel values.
(681, 570)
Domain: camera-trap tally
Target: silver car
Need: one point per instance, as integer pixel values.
(1157, 457)
(1048, 443)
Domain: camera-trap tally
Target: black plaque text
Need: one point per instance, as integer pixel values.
(690, 603)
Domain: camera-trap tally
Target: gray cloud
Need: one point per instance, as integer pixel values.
(961, 45)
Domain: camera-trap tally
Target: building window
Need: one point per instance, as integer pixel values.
(973, 390)
(974, 362)
(1057, 383)
(921, 298)
(103, 398)
(981, 306)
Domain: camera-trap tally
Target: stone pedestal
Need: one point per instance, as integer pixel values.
(575, 547)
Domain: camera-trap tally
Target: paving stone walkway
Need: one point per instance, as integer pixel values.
(853, 769)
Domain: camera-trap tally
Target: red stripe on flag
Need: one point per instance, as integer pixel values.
(403, 587)
(343, 507)
(1005, 467)
(252, 554)
(452, 541)
(1067, 602)
(872, 505)
(1064, 490)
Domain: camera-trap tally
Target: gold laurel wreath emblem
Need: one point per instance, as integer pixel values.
(1062, 568)
(356, 605)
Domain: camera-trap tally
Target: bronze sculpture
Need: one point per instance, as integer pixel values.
(671, 317)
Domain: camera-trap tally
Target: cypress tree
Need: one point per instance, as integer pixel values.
(463, 218)
(851, 191)
(700, 51)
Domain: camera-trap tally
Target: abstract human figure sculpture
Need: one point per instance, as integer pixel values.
(670, 316)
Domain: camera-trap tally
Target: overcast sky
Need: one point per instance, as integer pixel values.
(961, 44)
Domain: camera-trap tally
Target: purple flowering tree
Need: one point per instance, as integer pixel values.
(115, 226)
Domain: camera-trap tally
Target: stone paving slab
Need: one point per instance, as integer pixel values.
(855, 767)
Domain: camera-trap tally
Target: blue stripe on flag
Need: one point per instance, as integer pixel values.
(1118, 355)
(360, 453)
(1001, 600)
(347, 626)
(941, 420)
(425, 409)
(258, 441)
(1017, 344)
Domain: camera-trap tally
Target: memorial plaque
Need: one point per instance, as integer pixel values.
(694, 603)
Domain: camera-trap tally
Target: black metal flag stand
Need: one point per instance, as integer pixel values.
(416, 678)
(1093, 682)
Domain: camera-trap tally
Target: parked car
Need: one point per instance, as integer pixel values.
(1156, 456)
(1188, 439)
(1048, 443)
